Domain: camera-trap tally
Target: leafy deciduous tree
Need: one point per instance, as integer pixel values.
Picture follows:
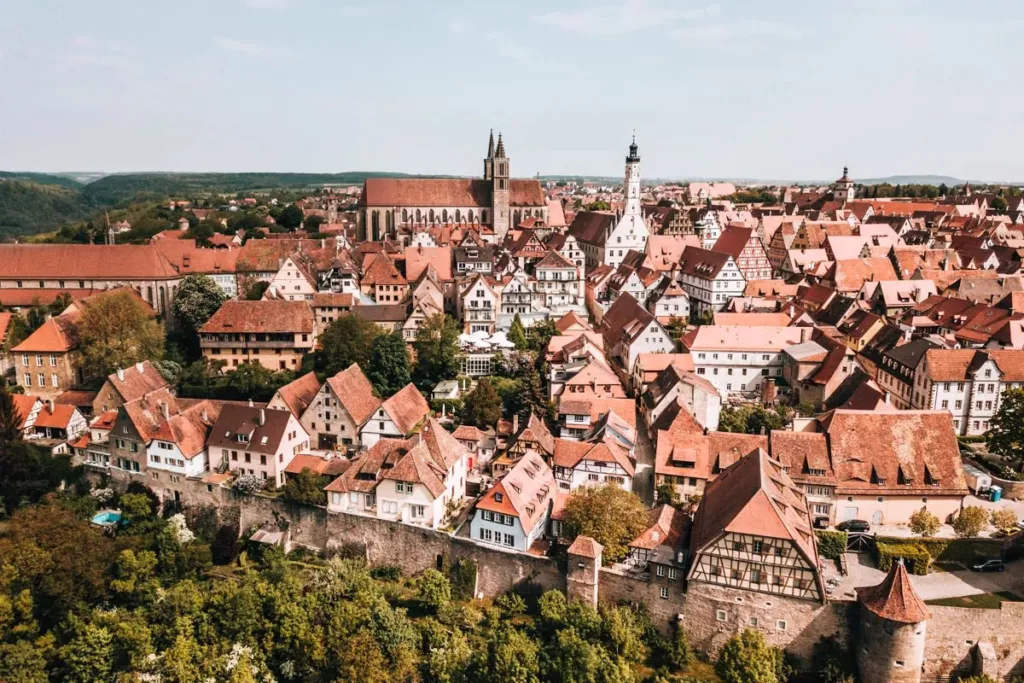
(388, 368)
(437, 351)
(1006, 430)
(609, 514)
(305, 488)
(198, 298)
(482, 406)
(347, 340)
(747, 658)
(924, 522)
(116, 331)
(970, 522)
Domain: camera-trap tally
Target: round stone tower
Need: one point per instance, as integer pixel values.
(893, 625)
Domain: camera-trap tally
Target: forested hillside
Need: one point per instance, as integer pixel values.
(28, 207)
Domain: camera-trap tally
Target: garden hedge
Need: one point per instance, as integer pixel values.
(831, 544)
(951, 549)
(914, 556)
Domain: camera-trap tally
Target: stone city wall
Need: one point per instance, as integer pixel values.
(953, 633)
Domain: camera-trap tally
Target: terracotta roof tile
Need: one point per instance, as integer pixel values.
(288, 317)
(446, 192)
(355, 393)
(56, 335)
(299, 393)
(895, 598)
(524, 492)
(407, 408)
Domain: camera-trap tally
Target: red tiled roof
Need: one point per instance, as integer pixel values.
(269, 316)
(57, 418)
(418, 259)
(446, 192)
(333, 466)
(895, 598)
(85, 261)
(56, 335)
(524, 492)
(407, 408)
(23, 406)
(299, 393)
(139, 380)
(585, 546)
(355, 393)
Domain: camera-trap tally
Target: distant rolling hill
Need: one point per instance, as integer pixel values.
(29, 207)
(41, 178)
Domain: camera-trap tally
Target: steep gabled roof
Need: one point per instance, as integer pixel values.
(407, 408)
(895, 598)
(355, 393)
(299, 393)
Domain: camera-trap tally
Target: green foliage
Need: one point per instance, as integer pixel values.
(754, 196)
(599, 205)
(676, 328)
(116, 331)
(256, 290)
(666, 494)
(951, 549)
(831, 544)
(202, 379)
(462, 576)
(1006, 429)
(517, 334)
(197, 299)
(924, 523)
(28, 472)
(347, 340)
(531, 397)
(437, 351)
(433, 589)
(750, 419)
(482, 406)
(512, 657)
(915, 557)
(290, 217)
(747, 658)
(832, 662)
(609, 514)
(540, 333)
(305, 488)
(388, 368)
(970, 522)
(28, 207)
(10, 430)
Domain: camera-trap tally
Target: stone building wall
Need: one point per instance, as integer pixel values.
(616, 586)
(953, 633)
(805, 620)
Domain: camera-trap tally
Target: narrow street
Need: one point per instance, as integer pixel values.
(643, 478)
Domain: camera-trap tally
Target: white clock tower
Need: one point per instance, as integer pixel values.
(631, 230)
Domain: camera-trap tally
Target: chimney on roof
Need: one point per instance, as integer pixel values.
(165, 409)
(515, 424)
(49, 404)
(262, 420)
(120, 374)
(206, 415)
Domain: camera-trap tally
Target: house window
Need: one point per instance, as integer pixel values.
(53, 360)
(28, 380)
(754, 621)
(664, 593)
(660, 570)
(671, 573)
(757, 547)
(720, 615)
(510, 539)
(781, 624)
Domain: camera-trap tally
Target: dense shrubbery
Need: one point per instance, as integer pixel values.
(914, 556)
(79, 605)
(831, 544)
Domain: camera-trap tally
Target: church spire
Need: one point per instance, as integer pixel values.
(490, 146)
(634, 154)
(501, 147)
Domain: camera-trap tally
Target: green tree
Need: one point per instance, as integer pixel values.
(446, 654)
(197, 299)
(202, 231)
(924, 522)
(666, 494)
(998, 205)
(517, 334)
(251, 380)
(512, 657)
(305, 488)
(747, 658)
(540, 333)
(531, 397)
(676, 328)
(433, 589)
(347, 340)
(970, 522)
(609, 514)
(9, 420)
(291, 217)
(832, 662)
(87, 656)
(313, 222)
(388, 369)
(1005, 434)
(437, 351)
(482, 406)
(116, 331)
(599, 205)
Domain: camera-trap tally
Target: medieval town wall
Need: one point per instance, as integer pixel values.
(953, 633)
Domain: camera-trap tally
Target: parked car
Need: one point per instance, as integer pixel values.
(854, 525)
(988, 566)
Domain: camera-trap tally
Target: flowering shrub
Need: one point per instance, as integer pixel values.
(181, 530)
(248, 483)
(102, 495)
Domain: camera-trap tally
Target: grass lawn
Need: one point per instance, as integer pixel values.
(980, 601)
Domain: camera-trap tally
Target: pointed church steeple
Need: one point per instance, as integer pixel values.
(490, 146)
(500, 154)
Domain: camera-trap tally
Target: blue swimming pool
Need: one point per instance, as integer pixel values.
(107, 518)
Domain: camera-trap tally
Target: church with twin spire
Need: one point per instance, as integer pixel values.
(492, 204)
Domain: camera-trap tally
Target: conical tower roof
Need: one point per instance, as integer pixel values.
(501, 147)
(490, 146)
(895, 598)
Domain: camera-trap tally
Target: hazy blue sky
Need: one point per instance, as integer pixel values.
(741, 88)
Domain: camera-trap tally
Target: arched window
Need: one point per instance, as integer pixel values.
(375, 225)
(405, 215)
(419, 216)
(444, 215)
(458, 216)
(483, 216)
(471, 215)
(388, 222)
(431, 215)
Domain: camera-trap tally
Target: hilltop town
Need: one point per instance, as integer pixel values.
(789, 410)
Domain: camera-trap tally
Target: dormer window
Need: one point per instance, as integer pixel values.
(243, 438)
(498, 497)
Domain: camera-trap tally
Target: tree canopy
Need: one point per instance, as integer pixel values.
(116, 331)
(197, 299)
(1005, 435)
(609, 514)
(388, 367)
(482, 406)
(347, 340)
(437, 351)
